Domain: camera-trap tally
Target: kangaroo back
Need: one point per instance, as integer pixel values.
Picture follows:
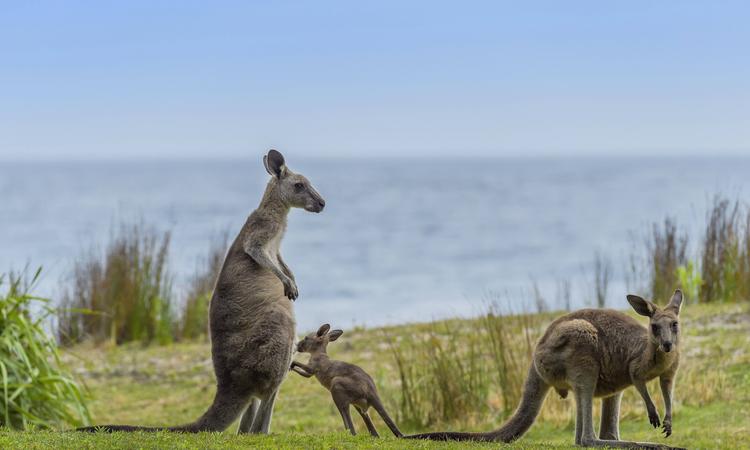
(534, 392)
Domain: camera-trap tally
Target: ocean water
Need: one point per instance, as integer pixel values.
(399, 240)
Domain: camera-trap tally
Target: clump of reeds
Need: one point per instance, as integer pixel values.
(194, 318)
(441, 375)
(657, 258)
(667, 249)
(35, 389)
(510, 341)
(457, 373)
(125, 293)
(720, 269)
(602, 273)
(722, 259)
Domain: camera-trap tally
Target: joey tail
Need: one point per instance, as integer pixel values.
(534, 392)
(227, 406)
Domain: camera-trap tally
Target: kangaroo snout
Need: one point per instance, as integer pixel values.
(316, 205)
(667, 347)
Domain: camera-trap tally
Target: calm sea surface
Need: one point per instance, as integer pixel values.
(399, 240)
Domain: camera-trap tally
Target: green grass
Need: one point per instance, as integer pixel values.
(167, 385)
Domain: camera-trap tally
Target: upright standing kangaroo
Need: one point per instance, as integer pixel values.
(251, 316)
(597, 353)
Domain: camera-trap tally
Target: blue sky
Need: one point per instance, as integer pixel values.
(85, 80)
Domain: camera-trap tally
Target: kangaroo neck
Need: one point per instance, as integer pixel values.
(272, 202)
(651, 357)
(322, 366)
(320, 362)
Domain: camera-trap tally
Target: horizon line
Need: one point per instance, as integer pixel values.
(371, 157)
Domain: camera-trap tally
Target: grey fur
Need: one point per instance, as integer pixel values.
(251, 316)
(597, 353)
(348, 384)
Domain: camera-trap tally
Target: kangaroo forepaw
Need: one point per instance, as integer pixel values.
(290, 290)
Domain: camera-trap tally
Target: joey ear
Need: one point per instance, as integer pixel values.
(323, 329)
(335, 334)
(274, 163)
(676, 302)
(641, 305)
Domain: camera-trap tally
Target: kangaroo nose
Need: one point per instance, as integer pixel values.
(322, 203)
(667, 346)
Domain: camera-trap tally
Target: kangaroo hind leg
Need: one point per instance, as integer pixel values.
(248, 417)
(609, 427)
(368, 421)
(262, 422)
(342, 404)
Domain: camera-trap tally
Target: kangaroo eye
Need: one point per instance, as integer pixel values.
(674, 326)
(655, 329)
(298, 187)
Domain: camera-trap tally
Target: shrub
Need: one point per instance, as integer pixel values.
(35, 389)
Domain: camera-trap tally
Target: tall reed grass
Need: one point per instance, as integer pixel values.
(725, 257)
(126, 290)
(717, 269)
(35, 389)
(193, 322)
(459, 371)
(602, 273)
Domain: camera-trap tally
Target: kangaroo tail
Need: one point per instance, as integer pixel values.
(227, 406)
(378, 405)
(534, 392)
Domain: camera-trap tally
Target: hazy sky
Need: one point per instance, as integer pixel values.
(82, 80)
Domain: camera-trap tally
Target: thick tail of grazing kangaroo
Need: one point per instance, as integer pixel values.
(222, 412)
(534, 392)
(378, 406)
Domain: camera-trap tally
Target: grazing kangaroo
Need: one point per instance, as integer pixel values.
(349, 384)
(251, 316)
(597, 353)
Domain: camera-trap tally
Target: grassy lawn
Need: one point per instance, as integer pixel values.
(174, 384)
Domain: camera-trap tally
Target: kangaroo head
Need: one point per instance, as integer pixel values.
(664, 326)
(292, 188)
(318, 341)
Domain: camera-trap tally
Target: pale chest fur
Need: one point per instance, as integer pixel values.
(656, 364)
(273, 245)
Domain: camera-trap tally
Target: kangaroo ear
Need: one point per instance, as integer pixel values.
(323, 329)
(274, 163)
(642, 306)
(676, 302)
(335, 334)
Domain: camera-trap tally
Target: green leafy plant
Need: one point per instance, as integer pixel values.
(690, 281)
(36, 390)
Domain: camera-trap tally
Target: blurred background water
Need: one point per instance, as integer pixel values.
(400, 240)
